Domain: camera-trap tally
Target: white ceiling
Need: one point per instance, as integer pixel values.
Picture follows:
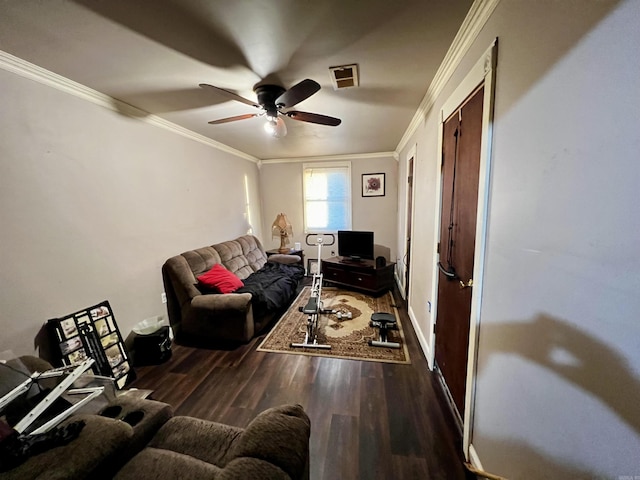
(152, 54)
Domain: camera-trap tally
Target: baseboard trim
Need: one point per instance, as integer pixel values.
(424, 345)
(474, 458)
(399, 284)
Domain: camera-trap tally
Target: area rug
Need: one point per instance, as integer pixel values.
(348, 337)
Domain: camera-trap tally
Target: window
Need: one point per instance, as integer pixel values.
(327, 197)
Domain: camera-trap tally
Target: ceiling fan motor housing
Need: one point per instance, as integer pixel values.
(267, 95)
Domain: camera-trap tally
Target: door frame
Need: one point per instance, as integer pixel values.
(403, 274)
(483, 71)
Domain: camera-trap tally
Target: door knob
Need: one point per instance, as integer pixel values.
(466, 285)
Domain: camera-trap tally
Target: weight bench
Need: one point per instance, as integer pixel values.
(383, 322)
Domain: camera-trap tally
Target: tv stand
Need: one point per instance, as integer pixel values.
(358, 275)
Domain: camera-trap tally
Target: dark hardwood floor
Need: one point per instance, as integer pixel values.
(368, 420)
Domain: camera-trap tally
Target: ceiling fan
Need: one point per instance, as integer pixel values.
(272, 99)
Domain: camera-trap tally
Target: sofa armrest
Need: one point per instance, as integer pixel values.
(284, 258)
(92, 455)
(221, 302)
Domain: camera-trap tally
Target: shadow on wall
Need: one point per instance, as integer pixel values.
(381, 251)
(531, 463)
(43, 345)
(574, 356)
(570, 20)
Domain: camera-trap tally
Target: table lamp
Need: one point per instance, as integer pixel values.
(282, 228)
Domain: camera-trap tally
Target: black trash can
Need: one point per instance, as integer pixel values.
(152, 348)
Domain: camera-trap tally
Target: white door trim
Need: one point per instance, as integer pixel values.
(482, 71)
(410, 154)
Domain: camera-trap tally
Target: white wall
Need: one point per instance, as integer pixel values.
(93, 202)
(281, 187)
(558, 379)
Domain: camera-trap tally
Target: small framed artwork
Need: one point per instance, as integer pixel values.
(312, 266)
(373, 184)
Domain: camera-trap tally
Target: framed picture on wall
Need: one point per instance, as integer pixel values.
(373, 184)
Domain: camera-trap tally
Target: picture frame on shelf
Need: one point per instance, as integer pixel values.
(373, 184)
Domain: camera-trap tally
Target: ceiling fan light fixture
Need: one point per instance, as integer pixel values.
(275, 127)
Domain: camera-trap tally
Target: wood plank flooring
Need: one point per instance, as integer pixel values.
(368, 420)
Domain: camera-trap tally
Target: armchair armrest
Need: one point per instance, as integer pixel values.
(284, 258)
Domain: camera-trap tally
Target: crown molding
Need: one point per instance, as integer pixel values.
(329, 158)
(28, 70)
(475, 20)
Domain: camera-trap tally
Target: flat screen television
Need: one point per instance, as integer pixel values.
(355, 245)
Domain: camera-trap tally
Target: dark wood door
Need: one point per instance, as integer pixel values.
(460, 173)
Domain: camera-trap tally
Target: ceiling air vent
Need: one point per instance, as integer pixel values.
(344, 76)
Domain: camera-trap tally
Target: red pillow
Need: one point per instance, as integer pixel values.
(220, 279)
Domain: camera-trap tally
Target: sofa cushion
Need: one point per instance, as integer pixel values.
(201, 439)
(201, 260)
(252, 468)
(242, 256)
(280, 436)
(158, 463)
(220, 279)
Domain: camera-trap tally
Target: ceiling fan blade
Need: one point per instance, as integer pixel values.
(299, 92)
(314, 118)
(233, 119)
(229, 95)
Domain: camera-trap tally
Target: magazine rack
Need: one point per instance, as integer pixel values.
(93, 333)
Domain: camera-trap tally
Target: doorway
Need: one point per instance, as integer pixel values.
(407, 255)
(483, 73)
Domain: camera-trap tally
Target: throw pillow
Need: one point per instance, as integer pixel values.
(220, 279)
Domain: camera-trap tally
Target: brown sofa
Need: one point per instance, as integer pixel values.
(140, 439)
(199, 316)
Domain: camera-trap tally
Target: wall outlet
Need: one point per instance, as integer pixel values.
(163, 297)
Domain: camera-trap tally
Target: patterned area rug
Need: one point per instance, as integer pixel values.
(348, 337)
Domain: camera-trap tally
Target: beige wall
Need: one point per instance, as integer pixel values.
(558, 380)
(281, 187)
(93, 202)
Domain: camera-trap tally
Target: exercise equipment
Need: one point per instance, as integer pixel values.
(383, 322)
(313, 309)
(69, 375)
